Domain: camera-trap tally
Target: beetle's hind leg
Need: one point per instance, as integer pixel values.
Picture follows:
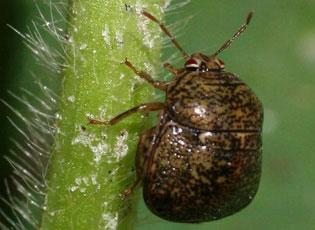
(144, 146)
(148, 107)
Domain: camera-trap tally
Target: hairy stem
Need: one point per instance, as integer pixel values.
(92, 165)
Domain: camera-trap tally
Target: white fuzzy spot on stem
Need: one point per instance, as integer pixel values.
(121, 147)
(119, 38)
(106, 35)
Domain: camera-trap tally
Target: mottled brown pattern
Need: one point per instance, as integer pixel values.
(204, 162)
(189, 180)
(213, 101)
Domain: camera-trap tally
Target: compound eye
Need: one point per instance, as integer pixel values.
(192, 64)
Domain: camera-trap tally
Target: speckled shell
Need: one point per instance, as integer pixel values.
(214, 101)
(205, 160)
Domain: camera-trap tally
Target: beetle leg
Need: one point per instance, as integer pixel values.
(157, 84)
(148, 107)
(145, 142)
(171, 68)
(130, 189)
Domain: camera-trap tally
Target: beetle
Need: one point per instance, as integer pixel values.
(202, 161)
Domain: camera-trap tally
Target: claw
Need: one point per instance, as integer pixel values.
(129, 191)
(125, 62)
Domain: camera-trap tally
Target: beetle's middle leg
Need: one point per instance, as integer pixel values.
(148, 107)
(157, 84)
(145, 143)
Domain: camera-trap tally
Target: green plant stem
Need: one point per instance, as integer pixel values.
(92, 165)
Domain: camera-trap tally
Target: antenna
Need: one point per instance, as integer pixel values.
(167, 32)
(236, 35)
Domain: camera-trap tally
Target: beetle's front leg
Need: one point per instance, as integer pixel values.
(157, 84)
(148, 107)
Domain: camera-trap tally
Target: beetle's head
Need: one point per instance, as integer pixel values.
(204, 63)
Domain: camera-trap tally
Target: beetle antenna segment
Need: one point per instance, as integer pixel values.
(236, 35)
(167, 32)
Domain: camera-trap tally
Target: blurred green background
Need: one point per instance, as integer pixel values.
(15, 66)
(276, 57)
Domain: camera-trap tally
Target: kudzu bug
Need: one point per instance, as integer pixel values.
(202, 161)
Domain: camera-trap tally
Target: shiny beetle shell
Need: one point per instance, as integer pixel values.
(205, 162)
(202, 161)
